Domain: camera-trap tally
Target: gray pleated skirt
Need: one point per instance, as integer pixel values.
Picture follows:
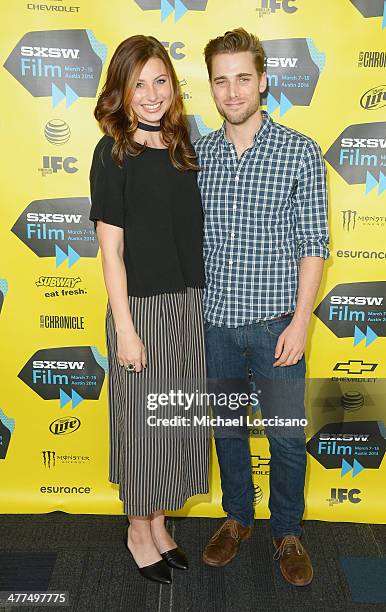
(158, 467)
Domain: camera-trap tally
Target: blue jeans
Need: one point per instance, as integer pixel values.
(231, 354)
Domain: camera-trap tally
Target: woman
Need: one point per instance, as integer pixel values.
(147, 213)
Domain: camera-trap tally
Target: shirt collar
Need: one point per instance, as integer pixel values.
(260, 135)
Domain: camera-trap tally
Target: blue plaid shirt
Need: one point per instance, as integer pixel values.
(263, 213)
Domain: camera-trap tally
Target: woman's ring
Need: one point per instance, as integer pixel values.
(130, 367)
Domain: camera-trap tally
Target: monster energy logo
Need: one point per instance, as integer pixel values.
(349, 219)
(49, 458)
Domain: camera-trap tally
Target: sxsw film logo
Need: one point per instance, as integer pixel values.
(52, 164)
(355, 310)
(64, 426)
(268, 7)
(338, 496)
(372, 8)
(58, 228)
(197, 127)
(167, 7)
(7, 427)
(355, 366)
(293, 68)
(351, 219)
(57, 132)
(374, 98)
(71, 374)
(62, 64)
(359, 155)
(3, 291)
(350, 447)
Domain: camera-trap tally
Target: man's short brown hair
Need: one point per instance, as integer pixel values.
(235, 41)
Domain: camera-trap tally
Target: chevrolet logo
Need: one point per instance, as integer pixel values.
(354, 366)
(257, 461)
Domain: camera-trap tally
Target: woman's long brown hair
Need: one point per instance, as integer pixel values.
(116, 116)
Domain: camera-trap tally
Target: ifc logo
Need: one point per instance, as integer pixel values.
(57, 132)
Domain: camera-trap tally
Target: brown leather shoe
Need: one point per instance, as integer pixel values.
(224, 544)
(295, 564)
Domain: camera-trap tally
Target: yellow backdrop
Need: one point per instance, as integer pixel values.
(325, 65)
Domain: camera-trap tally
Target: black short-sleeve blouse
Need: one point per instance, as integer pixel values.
(159, 209)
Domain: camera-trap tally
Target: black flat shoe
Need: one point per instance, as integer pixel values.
(175, 558)
(158, 571)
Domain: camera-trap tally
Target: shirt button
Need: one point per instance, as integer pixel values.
(230, 262)
(228, 288)
(236, 178)
(234, 206)
(232, 234)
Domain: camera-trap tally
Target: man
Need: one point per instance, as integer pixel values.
(265, 240)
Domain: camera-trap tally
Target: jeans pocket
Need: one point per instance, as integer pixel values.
(276, 327)
(208, 326)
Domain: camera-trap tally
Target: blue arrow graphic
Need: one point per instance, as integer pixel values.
(64, 398)
(61, 256)
(285, 104)
(272, 103)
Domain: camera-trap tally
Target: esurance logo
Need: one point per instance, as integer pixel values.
(58, 228)
(293, 68)
(372, 8)
(355, 310)
(71, 374)
(359, 154)
(374, 98)
(167, 7)
(350, 447)
(64, 64)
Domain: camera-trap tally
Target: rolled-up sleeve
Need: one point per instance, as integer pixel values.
(310, 203)
(106, 186)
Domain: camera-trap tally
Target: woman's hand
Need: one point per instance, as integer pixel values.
(130, 349)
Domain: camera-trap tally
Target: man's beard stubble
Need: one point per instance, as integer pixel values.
(240, 119)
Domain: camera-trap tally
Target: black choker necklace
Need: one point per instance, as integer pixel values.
(149, 128)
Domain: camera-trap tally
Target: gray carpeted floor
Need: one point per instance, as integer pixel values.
(85, 555)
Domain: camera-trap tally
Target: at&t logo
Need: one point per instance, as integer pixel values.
(57, 132)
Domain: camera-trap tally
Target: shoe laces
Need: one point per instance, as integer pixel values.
(287, 545)
(231, 527)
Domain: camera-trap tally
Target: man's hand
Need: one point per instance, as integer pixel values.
(291, 344)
